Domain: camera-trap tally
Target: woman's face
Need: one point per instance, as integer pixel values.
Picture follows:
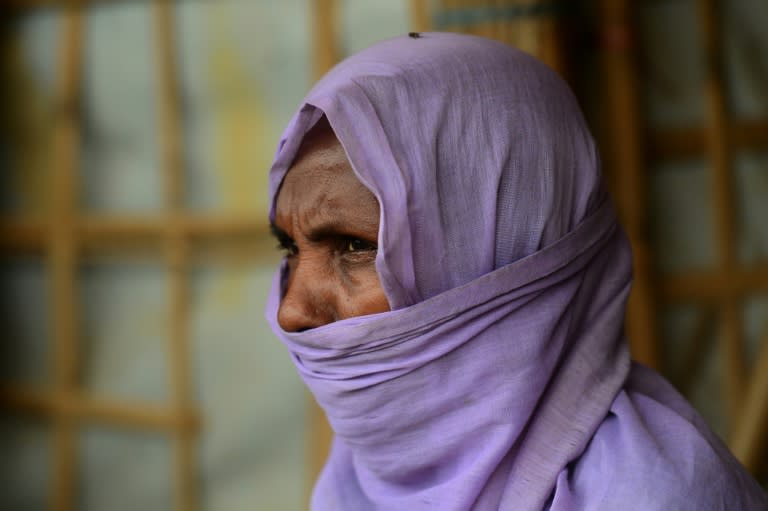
(328, 224)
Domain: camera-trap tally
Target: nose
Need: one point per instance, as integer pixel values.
(307, 303)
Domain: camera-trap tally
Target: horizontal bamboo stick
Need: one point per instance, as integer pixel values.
(26, 234)
(84, 408)
(710, 286)
(25, 5)
(237, 250)
(193, 226)
(691, 142)
(23, 235)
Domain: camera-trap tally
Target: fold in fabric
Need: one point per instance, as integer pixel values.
(500, 379)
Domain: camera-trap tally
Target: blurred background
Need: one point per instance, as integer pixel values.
(136, 369)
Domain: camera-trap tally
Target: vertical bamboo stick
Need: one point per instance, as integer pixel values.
(506, 29)
(421, 20)
(177, 255)
(325, 32)
(495, 18)
(62, 253)
(461, 7)
(626, 143)
(551, 42)
(483, 24)
(719, 149)
(749, 437)
(319, 438)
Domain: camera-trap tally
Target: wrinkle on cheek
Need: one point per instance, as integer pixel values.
(325, 282)
(363, 294)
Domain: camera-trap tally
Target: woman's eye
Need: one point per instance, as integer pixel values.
(289, 247)
(358, 245)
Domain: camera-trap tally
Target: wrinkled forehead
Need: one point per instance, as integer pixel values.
(355, 124)
(304, 120)
(308, 118)
(476, 153)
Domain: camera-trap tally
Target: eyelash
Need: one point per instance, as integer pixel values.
(287, 246)
(347, 245)
(362, 246)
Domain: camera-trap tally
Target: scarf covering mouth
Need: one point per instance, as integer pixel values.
(503, 264)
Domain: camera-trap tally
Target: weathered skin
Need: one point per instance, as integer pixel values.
(328, 223)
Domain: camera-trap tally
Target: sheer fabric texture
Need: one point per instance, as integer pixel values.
(501, 377)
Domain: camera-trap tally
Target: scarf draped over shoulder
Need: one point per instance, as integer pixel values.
(502, 366)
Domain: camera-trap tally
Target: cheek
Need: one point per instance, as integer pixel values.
(364, 295)
(321, 288)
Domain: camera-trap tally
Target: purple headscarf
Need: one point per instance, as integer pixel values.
(501, 378)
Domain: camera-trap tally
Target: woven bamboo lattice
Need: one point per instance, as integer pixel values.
(718, 292)
(67, 236)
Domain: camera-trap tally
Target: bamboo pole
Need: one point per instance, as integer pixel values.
(505, 29)
(552, 35)
(62, 245)
(21, 5)
(12, 6)
(325, 32)
(215, 239)
(483, 27)
(421, 20)
(748, 441)
(499, 26)
(83, 408)
(719, 150)
(189, 226)
(685, 143)
(527, 34)
(176, 253)
(319, 438)
(32, 232)
(620, 78)
(712, 285)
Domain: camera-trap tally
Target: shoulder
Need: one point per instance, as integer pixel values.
(653, 452)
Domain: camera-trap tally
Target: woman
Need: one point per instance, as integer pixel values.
(454, 296)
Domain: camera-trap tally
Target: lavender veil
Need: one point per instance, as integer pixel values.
(501, 377)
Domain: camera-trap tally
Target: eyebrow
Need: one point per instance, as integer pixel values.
(330, 230)
(321, 232)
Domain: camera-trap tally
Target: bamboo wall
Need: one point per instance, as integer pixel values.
(181, 226)
(699, 320)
